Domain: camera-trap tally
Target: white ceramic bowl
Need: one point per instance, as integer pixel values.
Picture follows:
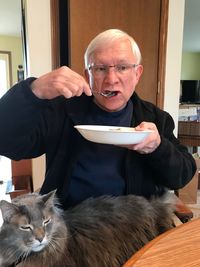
(114, 135)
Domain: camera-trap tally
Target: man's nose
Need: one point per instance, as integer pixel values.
(111, 75)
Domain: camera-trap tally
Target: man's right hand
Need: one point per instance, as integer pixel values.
(62, 81)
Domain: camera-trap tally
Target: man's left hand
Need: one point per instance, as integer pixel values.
(150, 143)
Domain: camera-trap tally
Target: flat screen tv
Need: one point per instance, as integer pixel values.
(190, 91)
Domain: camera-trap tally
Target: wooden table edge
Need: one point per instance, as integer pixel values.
(142, 251)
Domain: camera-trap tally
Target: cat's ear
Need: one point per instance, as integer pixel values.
(8, 210)
(49, 198)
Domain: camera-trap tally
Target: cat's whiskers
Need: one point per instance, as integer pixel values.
(10, 255)
(54, 245)
(14, 254)
(58, 238)
(24, 257)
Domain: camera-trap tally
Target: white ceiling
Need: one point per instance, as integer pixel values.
(10, 22)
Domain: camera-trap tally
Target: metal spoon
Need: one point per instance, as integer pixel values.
(106, 94)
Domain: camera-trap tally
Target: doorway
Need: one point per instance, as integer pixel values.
(10, 57)
(69, 26)
(5, 83)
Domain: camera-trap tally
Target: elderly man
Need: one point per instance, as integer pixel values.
(39, 115)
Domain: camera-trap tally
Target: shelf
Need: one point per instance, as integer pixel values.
(189, 133)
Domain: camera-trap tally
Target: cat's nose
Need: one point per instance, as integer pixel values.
(40, 238)
(39, 235)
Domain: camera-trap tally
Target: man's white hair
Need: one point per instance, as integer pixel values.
(107, 37)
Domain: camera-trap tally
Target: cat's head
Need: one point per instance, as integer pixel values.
(30, 224)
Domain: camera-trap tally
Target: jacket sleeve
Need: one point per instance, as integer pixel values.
(20, 114)
(171, 161)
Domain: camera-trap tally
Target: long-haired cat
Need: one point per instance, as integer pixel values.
(99, 232)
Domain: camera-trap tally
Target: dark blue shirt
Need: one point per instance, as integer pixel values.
(99, 167)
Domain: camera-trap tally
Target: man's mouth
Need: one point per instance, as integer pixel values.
(109, 93)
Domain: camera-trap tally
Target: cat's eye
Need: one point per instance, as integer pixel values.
(25, 227)
(47, 221)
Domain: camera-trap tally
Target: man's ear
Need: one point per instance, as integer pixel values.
(139, 71)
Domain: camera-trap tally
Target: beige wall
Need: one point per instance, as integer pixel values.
(14, 45)
(39, 58)
(38, 25)
(174, 57)
(190, 66)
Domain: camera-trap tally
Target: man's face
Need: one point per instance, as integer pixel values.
(111, 79)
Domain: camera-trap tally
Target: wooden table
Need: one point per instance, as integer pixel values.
(179, 247)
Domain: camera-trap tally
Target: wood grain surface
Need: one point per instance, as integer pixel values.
(179, 247)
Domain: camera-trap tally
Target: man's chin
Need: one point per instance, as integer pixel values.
(111, 106)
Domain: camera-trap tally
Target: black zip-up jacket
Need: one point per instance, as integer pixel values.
(31, 127)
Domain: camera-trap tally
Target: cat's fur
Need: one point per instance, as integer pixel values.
(101, 232)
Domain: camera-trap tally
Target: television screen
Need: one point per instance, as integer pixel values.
(190, 91)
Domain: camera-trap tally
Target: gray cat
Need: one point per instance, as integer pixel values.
(99, 232)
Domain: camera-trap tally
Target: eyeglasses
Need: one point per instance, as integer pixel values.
(101, 70)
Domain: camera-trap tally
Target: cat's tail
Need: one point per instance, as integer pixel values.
(169, 198)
